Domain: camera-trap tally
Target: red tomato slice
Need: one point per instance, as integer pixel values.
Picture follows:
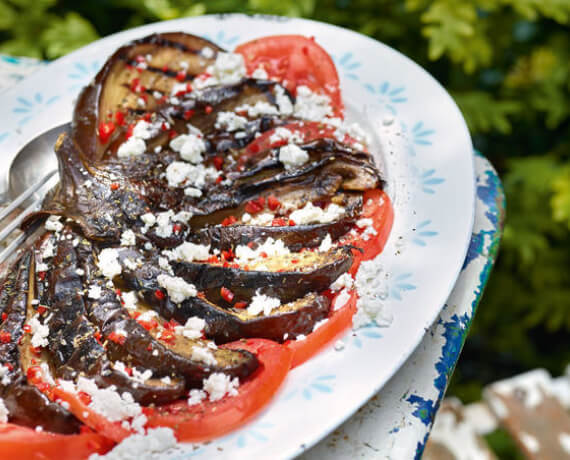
(295, 60)
(378, 207)
(95, 421)
(27, 444)
(337, 323)
(208, 419)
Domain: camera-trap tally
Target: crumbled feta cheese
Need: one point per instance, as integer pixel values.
(48, 250)
(193, 192)
(260, 73)
(141, 446)
(339, 345)
(217, 385)
(258, 109)
(372, 290)
(229, 68)
(189, 252)
(204, 355)
(42, 267)
(320, 323)
(94, 292)
(132, 147)
(343, 281)
(163, 225)
(130, 300)
(192, 329)
(207, 52)
(196, 396)
(39, 332)
(273, 248)
(142, 130)
(148, 219)
(165, 265)
(178, 88)
(53, 224)
(310, 213)
(341, 299)
(112, 405)
(179, 174)
(312, 106)
(79, 272)
(292, 156)
(4, 375)
(262, 303)
(326, 244)
(3, 412)
(283, 134)
(361, 223)
(128, 238)
(283, 101)
(230, 121)
(300, 337)
(189, 146)
(263, 218)
(178, 289)
(108, 263)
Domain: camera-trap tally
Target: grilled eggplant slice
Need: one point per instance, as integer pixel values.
(286, 277)
(26, 404)
(173, 57)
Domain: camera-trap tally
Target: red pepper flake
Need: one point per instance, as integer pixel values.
(228, 255)
(295, 261)
(149, 325)
(255, 206)
(159, 294)
(177, 228)
(5, 337)
(167, 336)
(164, 126)
(105, 131)
(9, 366)
(208, 109)
(120, 118)
(219, 179)
(84, 397)
(188, 114)
(240, 305)
(273, 203)
(165, 68)
(136, 86)
(229, 221)
(149, 348)
(97, 336)
(36, 351)
(147, 116)
(226, 294)
(33, 373)
(263, 254)
(181, 75)
(4, 316)
(189, 88)
(172, 134)
(251, 245)
(213, 259)
(42, 309)
(292, 223)
(117, 338)
(130, 129)
(201, 295)
(27, 328)
(226, 265)
(218, 162)
(115, 186)
(279, 222)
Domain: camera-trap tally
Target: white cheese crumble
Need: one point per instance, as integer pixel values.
(371, 287)
(262, 303)
(193, 192)
(53, 224)
(179, 174)
(112, 405)
(192, 329)
(283, 101)
(40, 332)
(148, 219)
(3, 412)
(273, 248)
(203, 355)
(283, 134)
(196, 396)
(178, 289)
(48, 250)
(217, 385)
(312, 106)
(189, 252)
(163, 226)
(42, 267)
(189, 146)
(292, 156)
(139, 446)
(326, 244)
(128, 238)
(207, 52)
(94, 292)
(130, 300)
(4, 375)
(258, 109)
(339, 345)
(260, 73)
(136, 145)
(108, 263)
(341, 299)
(230, 121)
(530, 442)
(343, 281)
(310, 213)
(229, 68)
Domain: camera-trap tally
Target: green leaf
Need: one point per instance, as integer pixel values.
(559, 10)
(560, 201)
(66, 34)
(484, 113)
(7, 16)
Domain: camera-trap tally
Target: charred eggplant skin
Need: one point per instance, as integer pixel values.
(286, 285)
(25, 403)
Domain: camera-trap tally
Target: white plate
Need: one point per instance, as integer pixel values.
(427, 154)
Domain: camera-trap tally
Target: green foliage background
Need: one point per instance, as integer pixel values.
(506, 63)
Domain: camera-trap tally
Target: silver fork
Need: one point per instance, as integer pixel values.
(32, 168)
